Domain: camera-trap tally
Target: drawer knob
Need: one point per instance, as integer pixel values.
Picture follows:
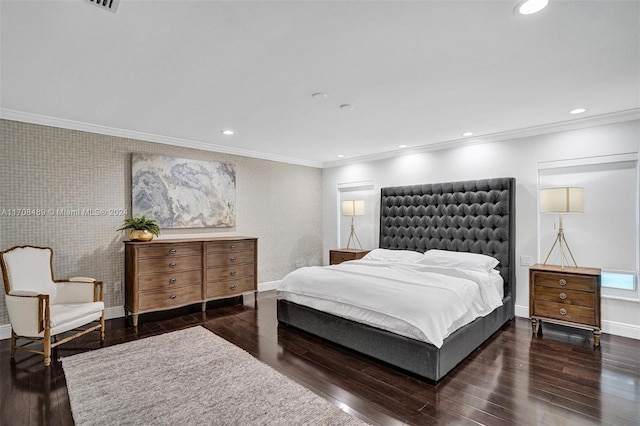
(172, 281)
(232, 246)
(172, 265)
(172, 251)
(563, 296)
(232, 286)
(562, 282)
(232, 259)
(173, 296)
(232, 273)
(563, 311)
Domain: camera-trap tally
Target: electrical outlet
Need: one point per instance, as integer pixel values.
(118, 286)
(526, 260)
(299, 264)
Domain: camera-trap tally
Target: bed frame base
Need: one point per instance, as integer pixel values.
(420, 358)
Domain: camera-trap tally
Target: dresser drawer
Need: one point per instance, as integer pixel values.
(169, 264)
(565, 297)
(230, 287)
(565, 281)
(230, 259)
(162, 299)
(162, 250)
(228, 272)
(230, 246)
(577, 314)
(169, 280)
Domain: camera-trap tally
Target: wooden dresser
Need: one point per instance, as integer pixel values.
(342, 255)
(166, 274)
(569, 296)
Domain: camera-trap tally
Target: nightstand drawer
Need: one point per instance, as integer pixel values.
(339, 257)
(343, 255)
(565, 297)
(565, 281)
(560, 311)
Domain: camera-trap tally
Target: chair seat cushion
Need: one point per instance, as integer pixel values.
(64, 313)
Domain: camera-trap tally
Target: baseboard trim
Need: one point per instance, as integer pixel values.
(268, 285)
(109, 313)
(608, 327)
(118, 311)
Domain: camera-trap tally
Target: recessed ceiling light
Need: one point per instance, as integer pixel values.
(319, 95)
(402, 145)
(467, 134)
(227, 132)
(346, 106)
(340, 155)
(577, 111)
(531, 6)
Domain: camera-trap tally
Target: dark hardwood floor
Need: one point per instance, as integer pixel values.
(513, 379)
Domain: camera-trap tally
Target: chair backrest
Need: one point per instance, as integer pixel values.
(28, 268)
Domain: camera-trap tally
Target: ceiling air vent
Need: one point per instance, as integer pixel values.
(111, 5)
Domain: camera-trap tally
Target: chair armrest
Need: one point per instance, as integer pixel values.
(27, 313)
(75, 291)
(82, 279)
(23, 293)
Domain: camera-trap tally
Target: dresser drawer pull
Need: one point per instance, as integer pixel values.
(563, 311)
(232, 273)
(173, 296)
(563, 296)
(172, 281)
(232, 287)
(172, 265)
(232, 246)
(232, 259)
(172, 251)
(562, 282)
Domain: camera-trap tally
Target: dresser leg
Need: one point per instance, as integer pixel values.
(204, 306)
(134, 319)
(596, 338)
(535, 326)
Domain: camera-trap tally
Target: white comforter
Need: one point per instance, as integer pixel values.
(422, 302)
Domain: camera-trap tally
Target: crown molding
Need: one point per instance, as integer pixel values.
(581, 123)
(26, 117)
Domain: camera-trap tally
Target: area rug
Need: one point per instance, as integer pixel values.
(188, 377)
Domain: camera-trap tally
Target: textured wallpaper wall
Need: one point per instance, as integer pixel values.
(70, 190)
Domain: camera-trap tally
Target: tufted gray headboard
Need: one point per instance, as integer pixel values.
(476, 216)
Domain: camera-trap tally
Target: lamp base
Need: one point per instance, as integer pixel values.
(562, 242)
(353, 236)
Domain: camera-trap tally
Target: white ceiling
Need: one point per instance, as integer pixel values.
(416, 72)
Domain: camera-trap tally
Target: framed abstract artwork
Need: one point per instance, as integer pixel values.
(183, 193)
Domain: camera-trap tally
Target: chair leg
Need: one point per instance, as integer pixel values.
(13, 343)
(102, 326)
(47, 347)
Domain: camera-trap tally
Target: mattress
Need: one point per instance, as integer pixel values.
(422, 302)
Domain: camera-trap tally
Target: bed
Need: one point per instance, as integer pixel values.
(476, 217)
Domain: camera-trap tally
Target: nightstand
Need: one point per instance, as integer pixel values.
(569, 296)
(342, 255)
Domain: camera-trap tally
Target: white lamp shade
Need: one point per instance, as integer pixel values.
(353, 208)
(562, 200)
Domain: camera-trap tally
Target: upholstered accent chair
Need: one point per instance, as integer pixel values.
(41, 308)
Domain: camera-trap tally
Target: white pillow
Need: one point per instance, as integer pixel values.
(457, 259)
(393, 255)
